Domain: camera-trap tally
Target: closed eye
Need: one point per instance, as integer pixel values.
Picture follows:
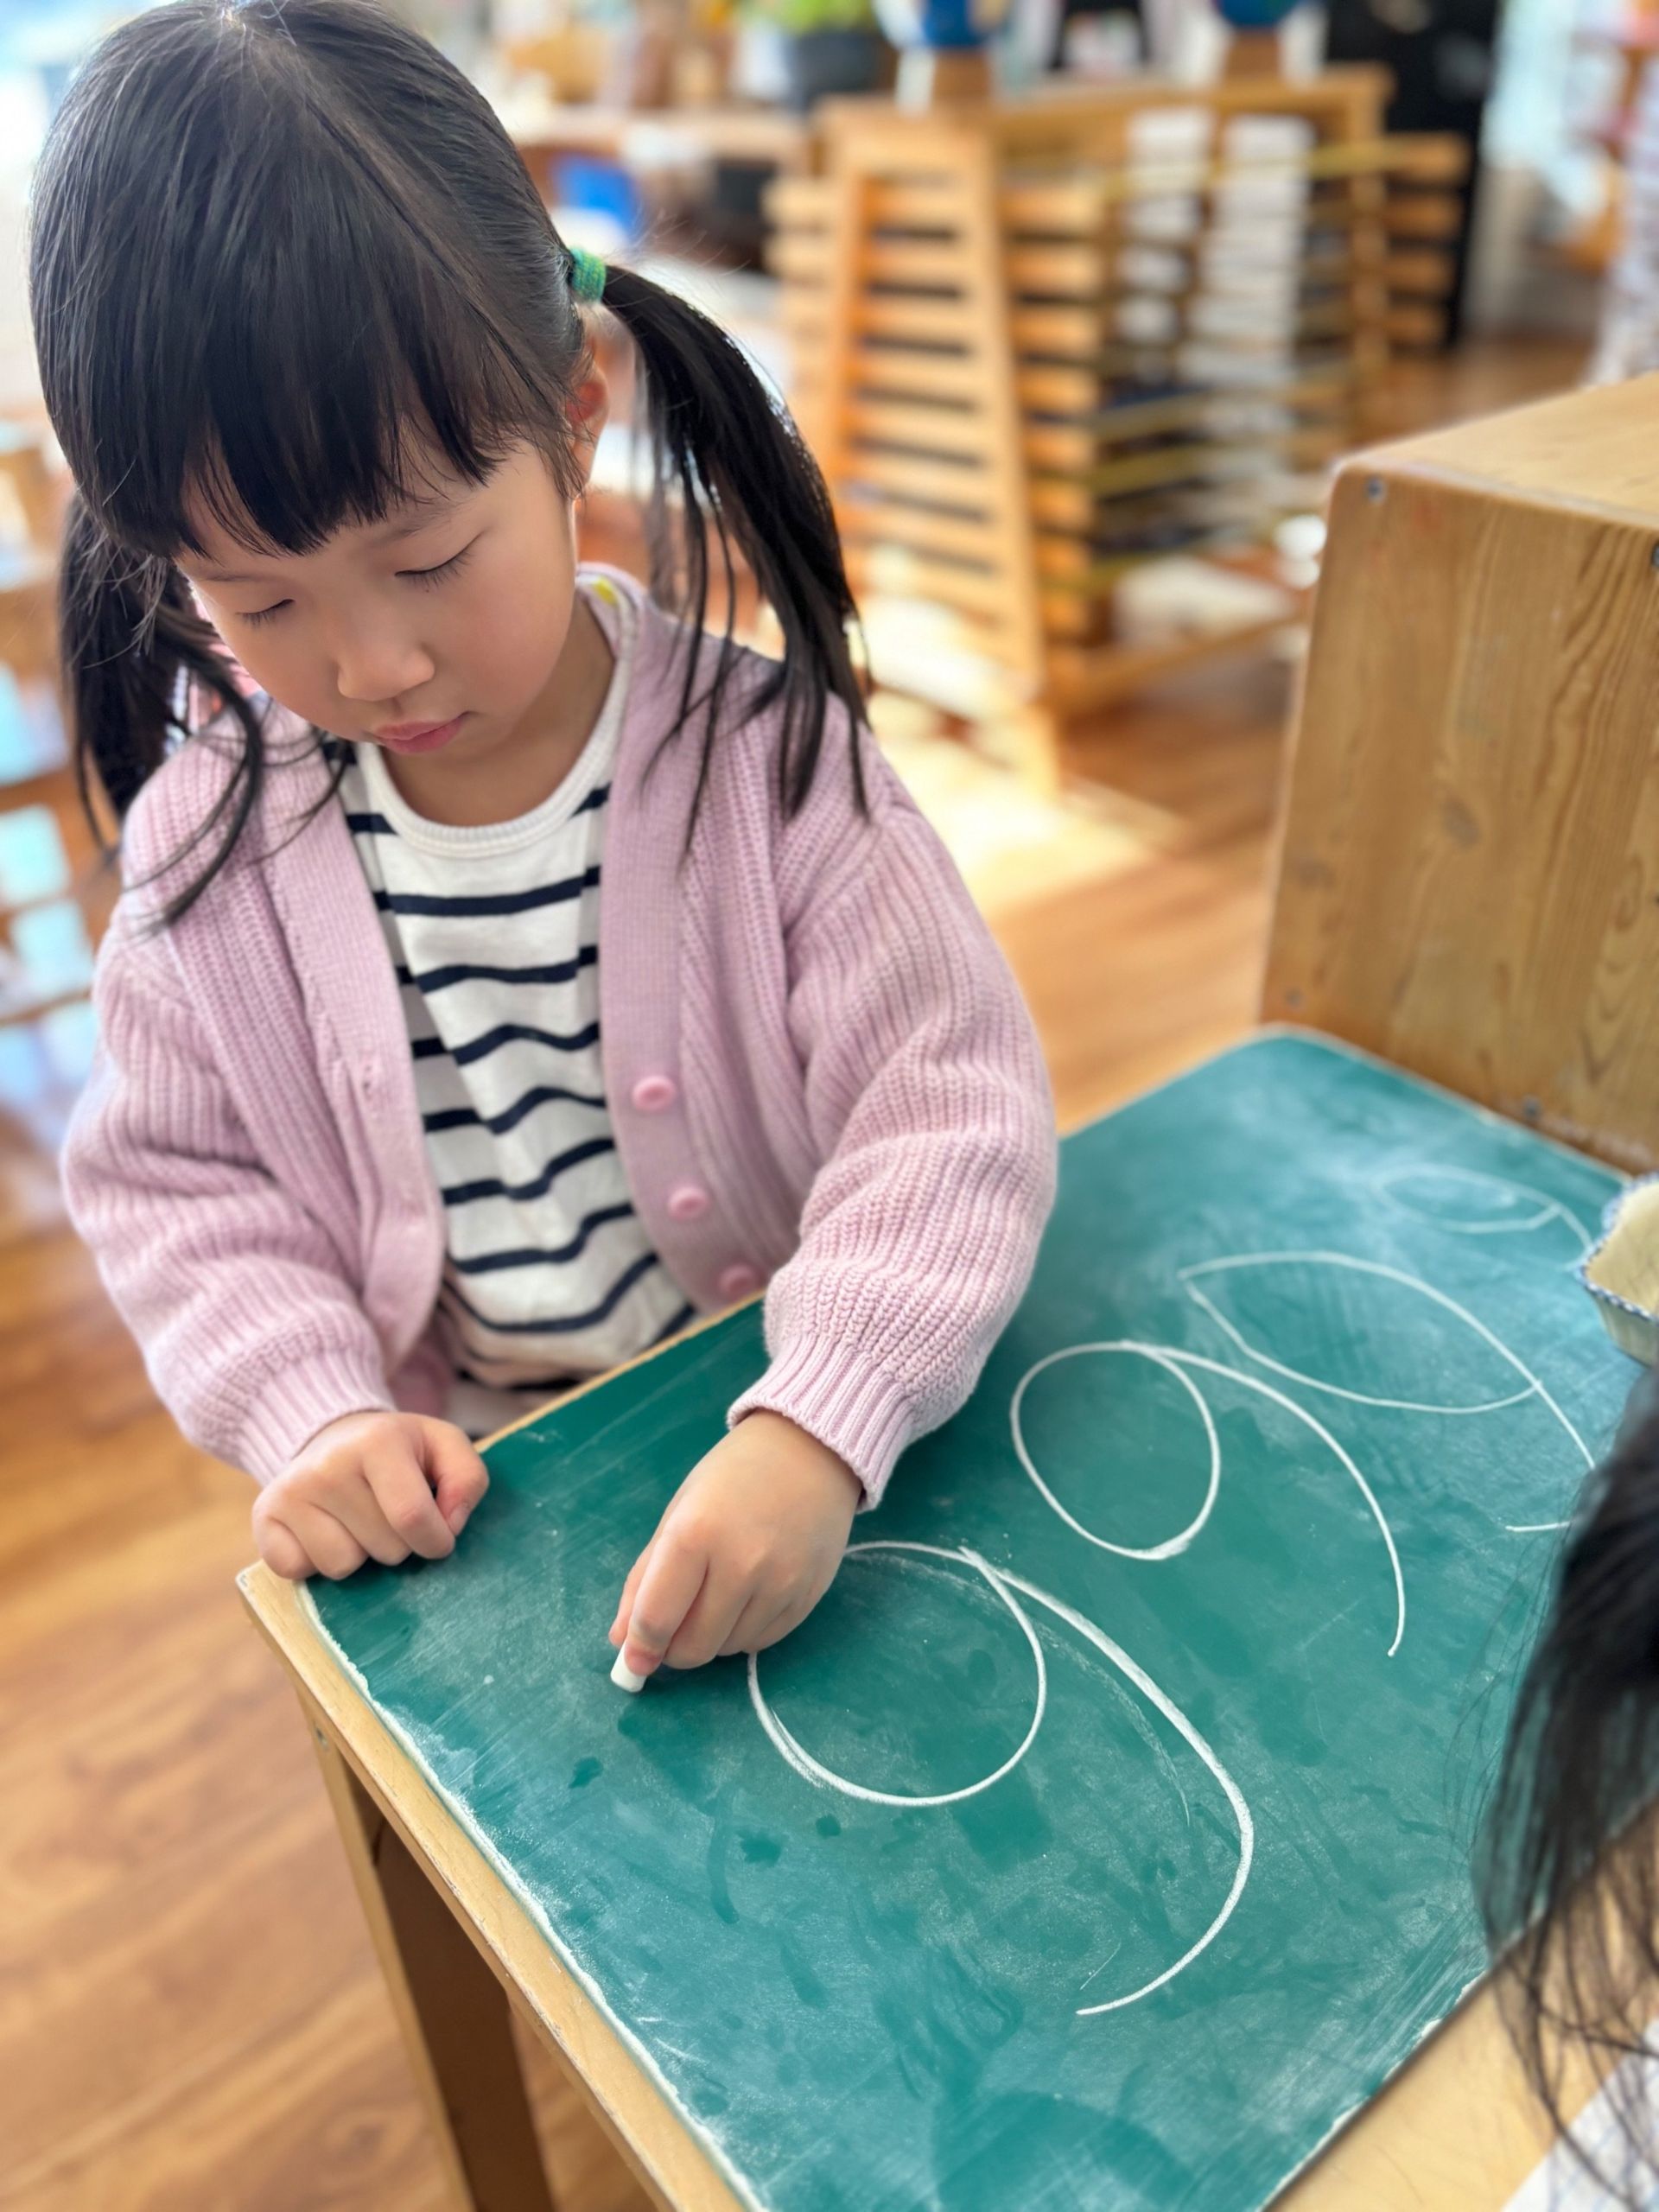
(429, 576)
(426, 577)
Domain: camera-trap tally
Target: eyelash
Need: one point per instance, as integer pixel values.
(428, 579)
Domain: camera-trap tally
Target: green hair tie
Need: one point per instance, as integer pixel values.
(586, 275)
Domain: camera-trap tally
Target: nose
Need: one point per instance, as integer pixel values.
(380, 667)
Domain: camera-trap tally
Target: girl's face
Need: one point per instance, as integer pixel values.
(439, 628)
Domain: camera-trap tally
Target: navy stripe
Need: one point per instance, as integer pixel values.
(557, 1386)
(468, 1117)
(672, 1328)
(559, 1324)
(502, 902)
(557, 971)
(520, 1033)
(461, 1194)
(376, 825)
(509, 1033)
(534, 1255)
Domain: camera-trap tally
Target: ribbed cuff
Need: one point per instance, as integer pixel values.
(841, 1398)
(301, 1399)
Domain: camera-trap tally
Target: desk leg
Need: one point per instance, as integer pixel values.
(452, 2010)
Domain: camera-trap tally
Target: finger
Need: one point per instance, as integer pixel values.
(330, 1546)
(407, 1508)
(785, 1623)
(668, 1589)
(710, 1620)
(764, 1620)
(752, 1620)
(358, 1511)
(630, 1591)
(454, 1470)
(281, 1549)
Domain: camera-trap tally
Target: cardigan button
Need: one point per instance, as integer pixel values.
(654, 1094)
(740, 1281)
(688, 1203)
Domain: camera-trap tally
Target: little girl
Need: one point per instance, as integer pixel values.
(506, 968)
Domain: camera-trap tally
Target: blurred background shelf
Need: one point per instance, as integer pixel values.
(545, 130)
(1041, 345)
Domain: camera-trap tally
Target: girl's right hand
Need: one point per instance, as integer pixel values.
(371, 1485)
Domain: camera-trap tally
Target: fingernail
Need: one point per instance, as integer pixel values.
(459, 1520)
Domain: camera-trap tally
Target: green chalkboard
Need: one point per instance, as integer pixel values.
(1102, 1841)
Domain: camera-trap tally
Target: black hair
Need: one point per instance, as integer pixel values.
(1567, 1871)
(281, 251)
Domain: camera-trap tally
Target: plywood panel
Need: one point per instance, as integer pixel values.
(1469, 874)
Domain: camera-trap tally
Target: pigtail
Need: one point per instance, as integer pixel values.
(1568, 1877)
(135, 652)
(733, 462)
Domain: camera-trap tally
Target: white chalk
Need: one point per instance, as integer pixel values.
(624, 1676)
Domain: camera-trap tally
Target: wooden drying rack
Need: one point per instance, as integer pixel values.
(1038, 345)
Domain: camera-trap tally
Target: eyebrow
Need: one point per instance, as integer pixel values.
(417, 515)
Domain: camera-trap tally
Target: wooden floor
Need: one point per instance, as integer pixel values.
(190, 2015)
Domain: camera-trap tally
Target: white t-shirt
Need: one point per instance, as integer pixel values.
(493, 931)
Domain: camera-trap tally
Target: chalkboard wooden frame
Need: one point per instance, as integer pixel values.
(1454, 2130)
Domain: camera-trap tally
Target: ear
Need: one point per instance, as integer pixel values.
(588, 408)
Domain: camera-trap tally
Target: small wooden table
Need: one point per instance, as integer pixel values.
(1455, 2131)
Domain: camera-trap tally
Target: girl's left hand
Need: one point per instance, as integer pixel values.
(750, 1542)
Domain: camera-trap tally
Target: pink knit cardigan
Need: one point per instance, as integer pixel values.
(820, 1072)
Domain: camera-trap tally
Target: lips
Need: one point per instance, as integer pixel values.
(418, 737)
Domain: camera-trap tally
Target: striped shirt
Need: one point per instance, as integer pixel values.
(494, 932)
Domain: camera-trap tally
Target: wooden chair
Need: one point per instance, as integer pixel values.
(1469, 877)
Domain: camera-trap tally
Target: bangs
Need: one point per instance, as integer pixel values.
(259, 298)
(330, 392)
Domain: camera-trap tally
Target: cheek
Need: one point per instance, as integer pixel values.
(512, 627)
(296, 676)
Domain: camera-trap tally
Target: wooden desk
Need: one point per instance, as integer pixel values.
(1455, 2131)
(443, 1887)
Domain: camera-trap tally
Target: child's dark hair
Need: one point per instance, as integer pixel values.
(281, 247)
(1569, 1875)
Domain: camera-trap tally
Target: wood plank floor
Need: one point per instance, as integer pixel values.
(190, 2014)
